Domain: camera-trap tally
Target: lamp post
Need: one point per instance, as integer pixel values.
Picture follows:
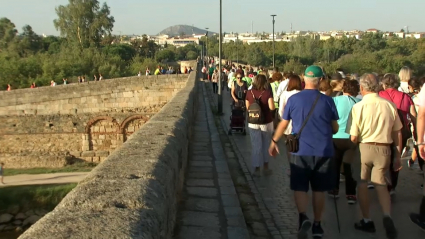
(206, 47)
(237, 48)
(220, 70)
(273, 38)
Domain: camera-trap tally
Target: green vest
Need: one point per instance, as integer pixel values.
(248, 81)
(275, 85)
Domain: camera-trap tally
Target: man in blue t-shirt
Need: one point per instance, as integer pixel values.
(313, 163)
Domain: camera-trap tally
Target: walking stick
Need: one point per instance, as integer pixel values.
(337, 216)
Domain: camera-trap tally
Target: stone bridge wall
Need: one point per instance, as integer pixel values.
(93, 97)
(56, 126)
(134, 192)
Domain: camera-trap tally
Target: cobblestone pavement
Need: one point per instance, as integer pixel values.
(210, 207)
(278, 207)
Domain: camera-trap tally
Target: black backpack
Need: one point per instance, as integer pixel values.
(255, 113)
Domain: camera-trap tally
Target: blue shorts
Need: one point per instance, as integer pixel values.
(319, 172)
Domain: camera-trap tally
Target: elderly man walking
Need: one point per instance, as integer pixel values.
(314, 121)
(375, 124)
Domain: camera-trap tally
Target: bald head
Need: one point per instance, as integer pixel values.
(369, 83)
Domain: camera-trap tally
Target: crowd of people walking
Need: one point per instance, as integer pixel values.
(327, 123)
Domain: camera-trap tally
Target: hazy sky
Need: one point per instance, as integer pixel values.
(152, 16)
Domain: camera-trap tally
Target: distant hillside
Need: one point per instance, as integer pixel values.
(177, 30)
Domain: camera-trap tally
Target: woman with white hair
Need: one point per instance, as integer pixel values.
(405, 74)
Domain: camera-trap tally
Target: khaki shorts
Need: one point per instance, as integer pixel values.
(375, 162)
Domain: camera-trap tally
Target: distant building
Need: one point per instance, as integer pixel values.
(372, 30)
(399, 34)
(180, 42)
(417, 35)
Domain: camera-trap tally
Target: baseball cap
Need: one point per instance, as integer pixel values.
(313, 71)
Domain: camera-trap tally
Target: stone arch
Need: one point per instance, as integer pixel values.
(99, 118)
(102, 133)
(132, 124)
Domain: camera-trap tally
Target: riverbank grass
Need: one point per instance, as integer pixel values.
(78, 167)
(34, 196)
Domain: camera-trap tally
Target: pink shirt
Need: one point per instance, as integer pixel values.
(402, 101)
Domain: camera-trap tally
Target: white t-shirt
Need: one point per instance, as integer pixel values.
(282, 88)
(404, 87)
(282, 103)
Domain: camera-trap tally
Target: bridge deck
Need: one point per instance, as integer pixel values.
(210, 207)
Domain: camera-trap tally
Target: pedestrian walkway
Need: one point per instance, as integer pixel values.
(278, 207)
(38, 179)
(210, 207)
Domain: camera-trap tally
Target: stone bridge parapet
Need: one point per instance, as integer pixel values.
(134, 192)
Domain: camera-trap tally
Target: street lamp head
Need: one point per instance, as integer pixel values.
(273, 15)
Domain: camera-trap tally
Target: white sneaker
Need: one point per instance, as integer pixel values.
(341, 178)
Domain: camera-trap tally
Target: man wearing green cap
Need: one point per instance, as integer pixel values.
(314, 121)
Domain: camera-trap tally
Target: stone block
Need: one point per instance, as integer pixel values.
(200, 182)
(237, 232)
(202, 191)
(201, 164)
(230, 200)
(102, 153)
(202, 204)
(5, 218)
(75, 153)
(189, 232)
(201, 175)
(200, 219)
(88, 154)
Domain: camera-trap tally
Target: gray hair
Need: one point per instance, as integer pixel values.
(391, 81)
(314, 80)
(369, 82)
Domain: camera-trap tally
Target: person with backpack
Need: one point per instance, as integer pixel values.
(260, 104)
(406, 111)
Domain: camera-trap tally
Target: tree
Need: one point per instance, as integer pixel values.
(30, 42)
(84, 22)
(191, 55)
(7, 32)
(165, 55)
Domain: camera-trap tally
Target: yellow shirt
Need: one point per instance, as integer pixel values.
(373, 120)
(157, 72)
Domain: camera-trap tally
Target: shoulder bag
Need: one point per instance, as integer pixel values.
(292, 141)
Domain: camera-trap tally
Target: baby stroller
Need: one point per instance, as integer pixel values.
(237, 119)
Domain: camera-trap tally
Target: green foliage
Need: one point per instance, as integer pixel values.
(191, 55)
(374, 53)
(86, 48)
(34, 197)
(165, 55)
(84, 22)
(78, 167)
